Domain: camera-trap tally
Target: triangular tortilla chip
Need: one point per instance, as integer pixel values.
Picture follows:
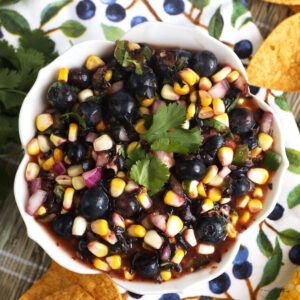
(276, 64)
(73, 292)
(99, 286)
(285, 2)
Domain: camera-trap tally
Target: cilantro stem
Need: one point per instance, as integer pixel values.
(15, 91)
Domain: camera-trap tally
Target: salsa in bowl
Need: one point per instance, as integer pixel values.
(149, 163)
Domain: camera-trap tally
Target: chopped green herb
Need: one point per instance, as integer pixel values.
(212, 123)
(233, 104)
(74, 116)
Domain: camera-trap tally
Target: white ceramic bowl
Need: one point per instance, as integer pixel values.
(156, 34)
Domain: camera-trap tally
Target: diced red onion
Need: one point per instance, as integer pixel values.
(159, 221)
(92, 177)
(35, 201)
(182, 102)
(165, 253)
(157, 104)
(266, 122)
(102, 159)
(165, 157)
(59, 168)
(36, 184)
(241, 84)
(91, 136)
(176, 186)
(115, 87)
(219, 90)
(224, 172)
(123, 135)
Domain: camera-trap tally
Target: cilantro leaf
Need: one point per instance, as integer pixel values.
(166, 118)
(74, 116)
(135, 155)
(146, 52)
(120, 51)
(7, 52)
(212, 123)
(150, 173)
(9, 79)
(10, 99)
(9, 129)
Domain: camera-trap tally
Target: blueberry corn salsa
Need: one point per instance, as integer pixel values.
(149, 163)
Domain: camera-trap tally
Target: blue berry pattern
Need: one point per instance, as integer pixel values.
(241, 256)
(243, 48)
(243, 270)
(137, 20)
(277, 212)
(115, 12)
(294, 254)
(85, 9)
(220, 284)
(174, 7)
(170, 296)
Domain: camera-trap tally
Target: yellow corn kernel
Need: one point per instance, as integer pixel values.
(67, 161)
(63, 74)
(190, 187)
(258, 192)
(191, 110)
(258, 175)
(174, 225)
(222, 74)
(121, 174)
(168, 93)
(143, 111)
(205, 98)
(166, 275)
(147, 102)
(218, 106)
(68, 198)
(242, 201)
(132, 146)
(181, 90)
(57, 140)
(245, 217)
(265, 141)
(101, 265)
(201, 190)
(207, 205)
(128, 275)
(223, 118)
(189, 76)
(108, 75)
(100, 227)
(205, 84)
(97, 248)
(225, 156)
(33, 147)
(214, 194)
(206, 112)
(140, 126)
(144, 200)
(75, 170)
(255, 152)
(255, 205)
(231, 232)
(100, 126)
(41, 211)
(133, 46)
(78, 183)
(233, 76)
(94, 62)
(58, 154)
(234, 219)
(193, 97)
(48, 164)
(136, 231)
(115, 261)
(129, 222)
(43, 122)
(211, 172)
(216, 181)
(73, 131)
(178, 257)
(32, 171)
(41, 160)
(117, 186)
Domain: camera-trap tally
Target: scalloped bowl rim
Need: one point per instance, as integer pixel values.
(153, 33)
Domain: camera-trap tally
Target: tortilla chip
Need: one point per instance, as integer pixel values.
(73, 292)
(285, 2)
(99, 286)
(291, 291)
(295, 8)
(276, 64)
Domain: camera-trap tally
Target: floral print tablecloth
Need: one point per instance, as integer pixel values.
(271, 253)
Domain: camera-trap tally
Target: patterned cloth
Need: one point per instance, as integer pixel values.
(270, 254)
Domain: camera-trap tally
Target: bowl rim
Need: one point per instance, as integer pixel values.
(137, 286)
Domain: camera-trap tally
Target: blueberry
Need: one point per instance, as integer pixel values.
(88, 164)
(62, 225)
(253, 89)
(94, 203)
(242, 255)
(138, 20)
(108, 1)
(220, 284)
(243, 48)
(76, 153)
(79, 77)
(170, 296)
(115, 12)
(294, 254)
(205, 63)
(189, 169)
(211, 229)
(240, 186)
(250, 140)
(85, 9)
(174, 7)
(243, 270)
(61, 95)
(241, 120)
(127, 206)
(211, 147)
(134, 295)
(277, 212)
(146, 264)
(90, 112)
